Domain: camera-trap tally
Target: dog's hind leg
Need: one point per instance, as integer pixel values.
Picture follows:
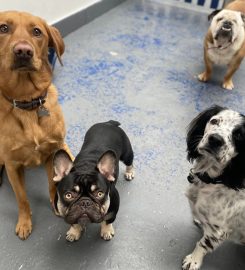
(1, 174)
(207, 244)
(127, 159)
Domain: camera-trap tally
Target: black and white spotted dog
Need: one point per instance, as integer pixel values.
(216, 147)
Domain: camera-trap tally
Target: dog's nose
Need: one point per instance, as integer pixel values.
(215, 141)
(23, 50)
(227, 25)
(86, 203)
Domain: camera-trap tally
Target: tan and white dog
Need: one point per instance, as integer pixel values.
(225, 41)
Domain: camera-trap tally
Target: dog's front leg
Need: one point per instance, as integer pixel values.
(16, 178)
(207, 244)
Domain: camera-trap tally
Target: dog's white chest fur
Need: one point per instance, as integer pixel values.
(218, 207)
(220, 56)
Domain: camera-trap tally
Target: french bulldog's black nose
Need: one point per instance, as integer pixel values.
(86, 203)
(227, 25)
(215, 141)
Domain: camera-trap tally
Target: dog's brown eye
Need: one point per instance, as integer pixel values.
(37, 32)
(214, 121)
(4, 28)
(219, 19)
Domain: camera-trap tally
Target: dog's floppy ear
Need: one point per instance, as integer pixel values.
(196, 128)
(211, 15)
(107, 165)
(62, 164)
(56, 41)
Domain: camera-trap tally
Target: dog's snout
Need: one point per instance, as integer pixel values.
(23, 50)
(86, 203)
(227, 25)
(215, 141)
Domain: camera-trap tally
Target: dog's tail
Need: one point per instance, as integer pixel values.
(114, 123)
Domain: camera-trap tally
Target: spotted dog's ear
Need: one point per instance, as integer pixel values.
(107, 165)
(195, 130)
(211, 15)
(62, 164)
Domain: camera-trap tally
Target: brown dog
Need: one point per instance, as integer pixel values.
(225, 41)
(32, 125)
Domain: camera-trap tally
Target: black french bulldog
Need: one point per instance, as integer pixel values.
(86, 189)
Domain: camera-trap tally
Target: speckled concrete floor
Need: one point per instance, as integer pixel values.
(136, 64)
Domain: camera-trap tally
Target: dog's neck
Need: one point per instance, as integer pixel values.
(209, 166)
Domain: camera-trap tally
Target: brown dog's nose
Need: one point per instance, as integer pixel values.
(23, 50)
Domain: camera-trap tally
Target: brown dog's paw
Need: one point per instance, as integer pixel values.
(203, 77)
(228, 85)
(23, 229)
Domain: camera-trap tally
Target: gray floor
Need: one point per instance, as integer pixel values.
(136, 64)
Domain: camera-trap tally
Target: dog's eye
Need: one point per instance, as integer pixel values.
(219, 19)
(4, 28)
(68, 196)
(37, 32)
(100, 194)
(214, 121)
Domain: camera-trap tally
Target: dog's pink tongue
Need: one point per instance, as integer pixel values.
(84, 220)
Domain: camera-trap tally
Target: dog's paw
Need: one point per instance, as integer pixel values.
(74, 233)
(23, 229)
(190, 263)
(107, 231)
(203, 77)
(129, 173)
(228, 85)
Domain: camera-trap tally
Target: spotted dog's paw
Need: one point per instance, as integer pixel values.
(107, 231)
(129, 173)
(74, 233)
(190, 263)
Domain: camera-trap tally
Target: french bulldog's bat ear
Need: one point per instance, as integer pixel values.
(211, 15)
(62, 164)
(107, 165)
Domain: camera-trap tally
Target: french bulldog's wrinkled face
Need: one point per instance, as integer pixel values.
(85, 197)
(226, 26)
(82, 198)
